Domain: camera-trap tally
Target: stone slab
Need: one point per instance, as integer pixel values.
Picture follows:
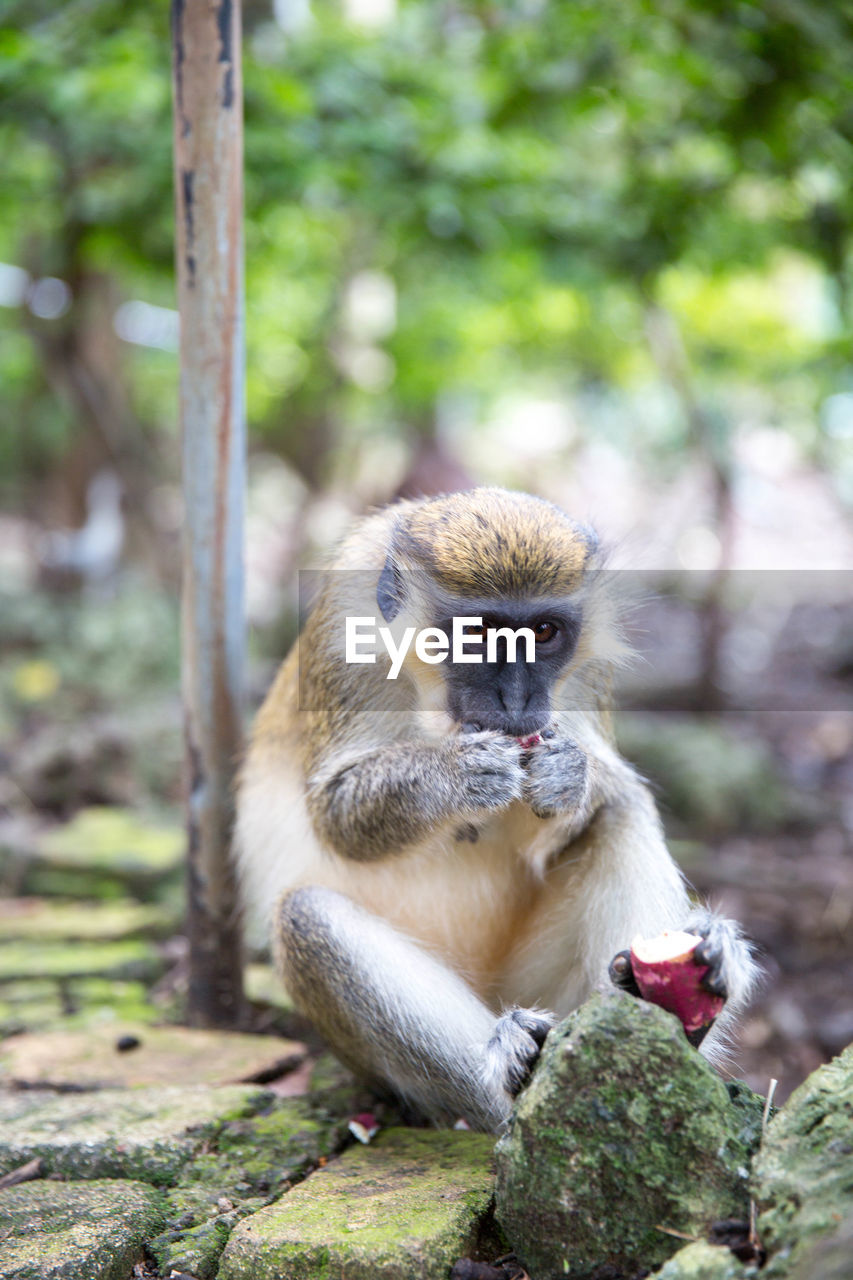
(145, 1134)
(162, 1056)
(76, 1231)
(404, 1208)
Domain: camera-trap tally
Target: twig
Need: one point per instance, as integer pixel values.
(24, 1173)
(679, 1235)
(753, 1207)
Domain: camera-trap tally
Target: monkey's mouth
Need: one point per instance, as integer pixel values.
(524, 740)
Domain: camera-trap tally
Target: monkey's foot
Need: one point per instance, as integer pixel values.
(513, 1049)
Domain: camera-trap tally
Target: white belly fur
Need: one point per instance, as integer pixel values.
(469, 903)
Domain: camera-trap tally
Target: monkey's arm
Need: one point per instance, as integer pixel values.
(392, 797)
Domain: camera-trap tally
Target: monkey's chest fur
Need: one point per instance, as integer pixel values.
(480, 905)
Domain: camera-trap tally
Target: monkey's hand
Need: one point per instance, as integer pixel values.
(487, 771)
(512, 1052)
(724, 969)
(556, 777)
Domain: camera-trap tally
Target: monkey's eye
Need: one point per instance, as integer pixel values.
(545, 631)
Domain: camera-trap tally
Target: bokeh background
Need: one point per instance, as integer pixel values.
(598, 251)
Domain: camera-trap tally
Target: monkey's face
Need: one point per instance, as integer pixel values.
(496, 688)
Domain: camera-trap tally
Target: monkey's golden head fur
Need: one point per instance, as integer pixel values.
(491, 542)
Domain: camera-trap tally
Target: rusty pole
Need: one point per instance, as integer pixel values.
(208, 130)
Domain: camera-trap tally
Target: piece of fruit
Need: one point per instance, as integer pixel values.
(668, 974)
(532, 740)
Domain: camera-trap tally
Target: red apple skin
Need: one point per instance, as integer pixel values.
(676, 985)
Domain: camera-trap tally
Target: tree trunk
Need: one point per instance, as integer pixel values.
(208, 185)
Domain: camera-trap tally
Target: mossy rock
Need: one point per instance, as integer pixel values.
(623, 1130)
(803, 1177)
(702, 1261)
(76, 1231)
(404, 1208)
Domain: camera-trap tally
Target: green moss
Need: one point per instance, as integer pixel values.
(129, 959)
(250, 1161)
(193, 1250)
(711, 777)
(112, 839)
(263, 1154)
(39, 920)
(44, 1003)
(623, 1129)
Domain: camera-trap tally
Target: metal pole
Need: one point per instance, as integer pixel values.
(208, 125)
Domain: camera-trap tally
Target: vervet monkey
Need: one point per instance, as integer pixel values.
(456, 855)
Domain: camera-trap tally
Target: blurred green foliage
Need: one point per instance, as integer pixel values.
(535, 177)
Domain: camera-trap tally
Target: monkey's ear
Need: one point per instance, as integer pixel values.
(389, 590)
(589, 536)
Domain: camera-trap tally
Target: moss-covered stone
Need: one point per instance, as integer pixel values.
(162, 1055)
(76, 1231)
(131, 958)
(803, 1175)
(248, 1164)
(195, 1251)
(259, 1155)
(44, 1003)
(624, 1129)
(403, 1208)
(701, 1261)
(106, 852)
(147, 1134)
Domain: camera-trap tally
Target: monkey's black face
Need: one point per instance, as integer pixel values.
(511, 697)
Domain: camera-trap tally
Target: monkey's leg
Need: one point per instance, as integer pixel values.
(395, 1013)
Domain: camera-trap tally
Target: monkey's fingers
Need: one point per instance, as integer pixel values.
(710, 953)
(621, 974)
(512, 1052)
